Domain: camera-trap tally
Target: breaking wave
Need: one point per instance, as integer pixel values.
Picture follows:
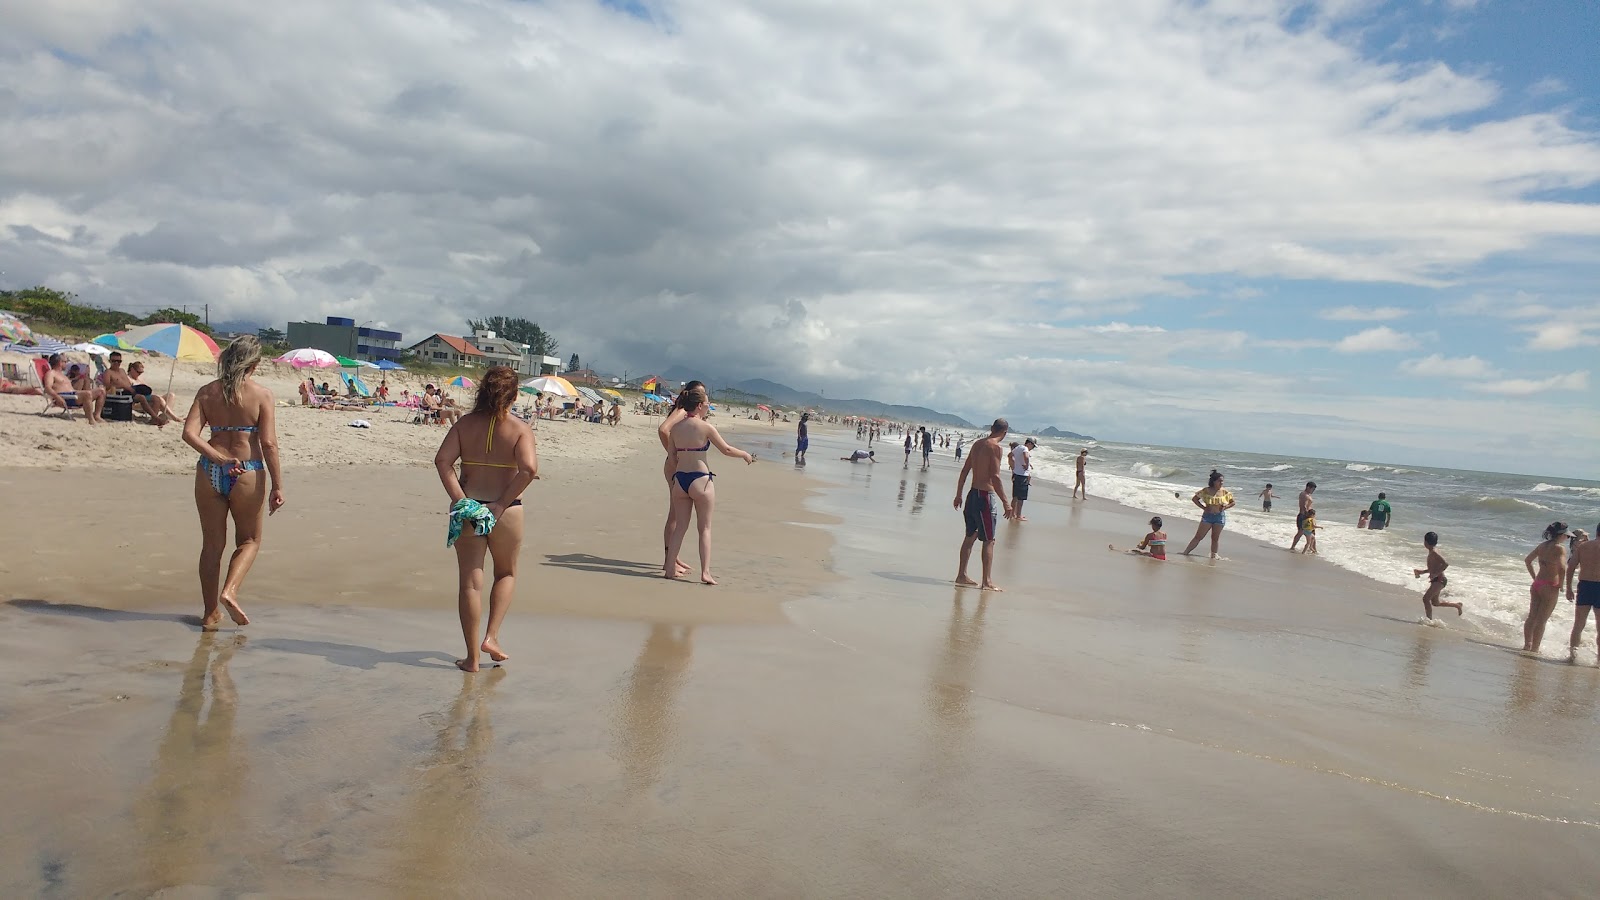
(1542, 488)
(1282, 467)
(1363, 467)
(1146, 470)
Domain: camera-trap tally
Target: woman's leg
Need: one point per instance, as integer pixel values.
(1198, 534)
(682, 510)
(213, 510)
(705, 499)
(1580, 618)
(469, 567)
(1527, 624)
(1545, 605)
(248, 503)
(505, 545)
(666, 530)
(1216, 538)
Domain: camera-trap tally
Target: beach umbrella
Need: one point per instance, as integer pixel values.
(41, 345)
(389, 365)
(346, 362)
(763, 406)
(610, 393)
(91, 349)
(462, 381)
(113, 341)
(552, 384)
(174, 340)
(14, 329)
(309, 358)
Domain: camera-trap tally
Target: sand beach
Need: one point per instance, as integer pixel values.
(835, 719)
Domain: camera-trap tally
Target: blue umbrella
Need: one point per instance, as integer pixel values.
(390, 366)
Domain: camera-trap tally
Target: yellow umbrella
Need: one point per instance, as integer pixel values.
(610, 393)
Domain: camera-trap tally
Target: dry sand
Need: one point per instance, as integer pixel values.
(834, 720)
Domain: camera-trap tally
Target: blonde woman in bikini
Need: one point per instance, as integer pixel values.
(1551, 556)
(231, 477)
(498, 461)
(692, 492)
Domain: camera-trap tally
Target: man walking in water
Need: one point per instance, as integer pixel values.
(1585, 564)
(1021, 477)
(1300, 517)
(1380, 513)
(927, 445)
(1078, 483)
(983, 464)
(802, 439)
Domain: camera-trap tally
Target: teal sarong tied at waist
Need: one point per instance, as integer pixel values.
(468, 513)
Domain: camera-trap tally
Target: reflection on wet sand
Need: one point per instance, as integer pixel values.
(1417, 663)
(647, 723)
(444, 838)
(950, 688)
(186, 815)
(919, 498)
(900, 498)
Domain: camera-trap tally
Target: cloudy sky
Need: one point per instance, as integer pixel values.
(1350, 227)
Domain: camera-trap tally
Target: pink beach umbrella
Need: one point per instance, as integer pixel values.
(310, 359)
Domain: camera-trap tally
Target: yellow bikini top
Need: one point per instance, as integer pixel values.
(489, 447)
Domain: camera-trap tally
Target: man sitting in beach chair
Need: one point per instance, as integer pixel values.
(62, 393)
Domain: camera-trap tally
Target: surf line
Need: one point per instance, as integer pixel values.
(1361, 779)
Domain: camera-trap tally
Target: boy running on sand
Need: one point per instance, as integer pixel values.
(1308, 528)
(1436, 579)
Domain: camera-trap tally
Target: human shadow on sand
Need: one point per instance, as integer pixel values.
(357, 657)
(100, 613)
(585, 562)
(914, 579)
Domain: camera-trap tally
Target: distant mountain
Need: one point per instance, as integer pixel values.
(1052, 431)
(783, 395)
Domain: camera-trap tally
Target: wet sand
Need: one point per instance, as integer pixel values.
(831, 721)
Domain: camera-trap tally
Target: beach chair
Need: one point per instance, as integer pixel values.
(360, 387)
(41, 371)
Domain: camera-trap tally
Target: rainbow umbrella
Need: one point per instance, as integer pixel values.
(171, 339)
(462, 381)
(113, 341)
(14, 329)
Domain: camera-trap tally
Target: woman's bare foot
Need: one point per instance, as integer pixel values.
(235, 611)
(705, 577)
(964, 581)
(683, 567)
(673, 575)
(492, 647)
(990, 586)
(467, 665)
(211, 622)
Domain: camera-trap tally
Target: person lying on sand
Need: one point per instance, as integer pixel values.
(860, 456)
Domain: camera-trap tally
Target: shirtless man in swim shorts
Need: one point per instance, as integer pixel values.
(1586, 566)
(1078, 482)
(1300, 517)
(983, 464)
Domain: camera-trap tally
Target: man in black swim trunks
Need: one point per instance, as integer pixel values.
(1300, 517)
(983, 464)
(1585, 564)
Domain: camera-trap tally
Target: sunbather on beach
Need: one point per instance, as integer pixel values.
(228, 480)
(160, 408)
(692, 489)
(64, 394)
(1436, 580)
(499, 459)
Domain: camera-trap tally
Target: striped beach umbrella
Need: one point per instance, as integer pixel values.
(462, 381)
(40, 346)
(14, 329)
(174, 340)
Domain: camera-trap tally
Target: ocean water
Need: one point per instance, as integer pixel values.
(1487, 521)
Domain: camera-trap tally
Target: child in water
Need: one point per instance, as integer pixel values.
(1154, 544)
(1436, 579)
(1366, 516)
(1308, 529)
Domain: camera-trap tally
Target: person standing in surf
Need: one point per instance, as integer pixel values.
(692, 489)
(1381, 512)
(1079, 482)
(1585, 566)
(231, 478)
(1267, 497)
(1214, 501)
(1300, 517)
(1551, 556)
(1436, 580)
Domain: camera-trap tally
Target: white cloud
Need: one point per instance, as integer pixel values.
(1560, 335)
(785, 190)
(1527, 387)
(1437, 366)
(1360, 314)
(1124, 328)
(1375, 340)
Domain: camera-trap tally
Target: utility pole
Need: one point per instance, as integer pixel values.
(208, 315)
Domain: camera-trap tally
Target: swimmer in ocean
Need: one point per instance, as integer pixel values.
(1436, 579)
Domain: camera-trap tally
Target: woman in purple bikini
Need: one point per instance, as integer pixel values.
(231, 477)
(691, 438)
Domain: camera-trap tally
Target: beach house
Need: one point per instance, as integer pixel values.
(448, 350)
